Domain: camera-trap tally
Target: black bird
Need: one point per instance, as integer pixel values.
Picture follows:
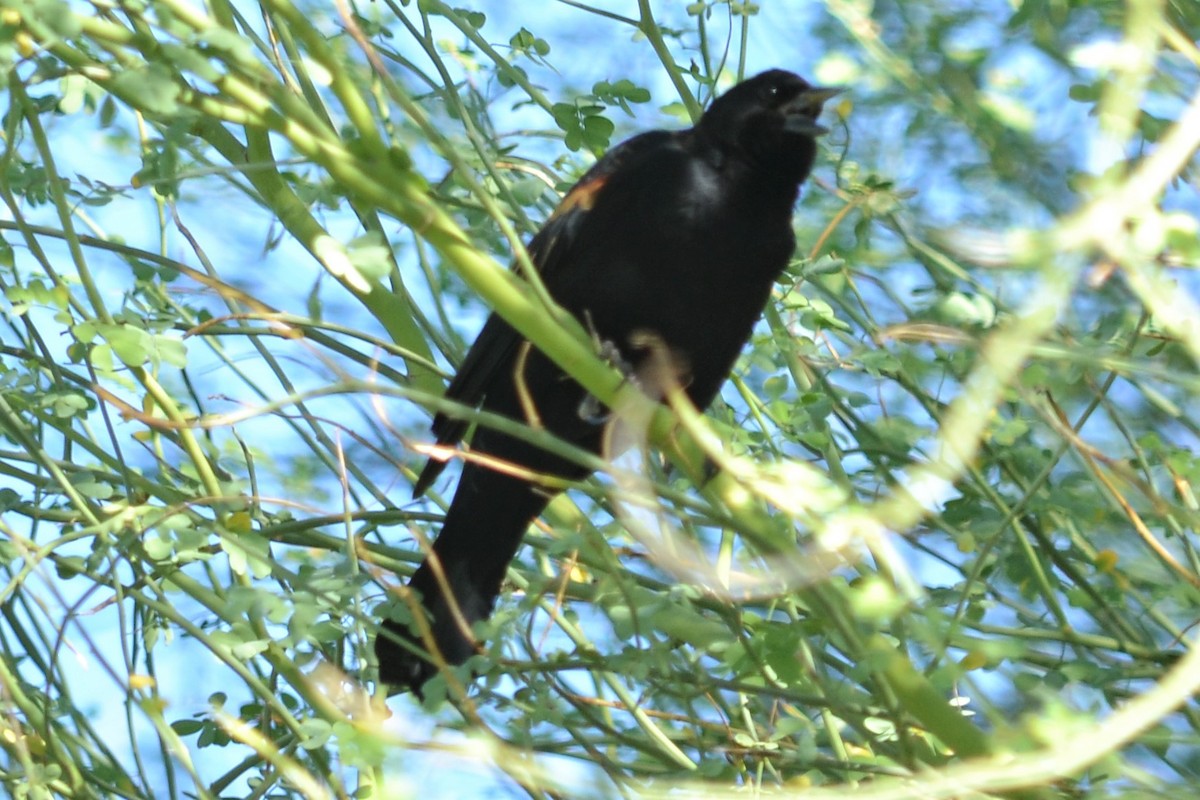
(679, 235)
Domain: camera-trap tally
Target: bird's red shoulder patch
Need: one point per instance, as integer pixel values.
(582, 196)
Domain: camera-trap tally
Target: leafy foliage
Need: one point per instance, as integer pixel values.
(939, 538)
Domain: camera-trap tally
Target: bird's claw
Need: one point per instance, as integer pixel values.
(591, 410)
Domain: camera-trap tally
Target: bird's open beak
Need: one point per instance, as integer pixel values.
(819, 94)
(804, 109)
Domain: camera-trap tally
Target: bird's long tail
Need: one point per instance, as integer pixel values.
(480, 537)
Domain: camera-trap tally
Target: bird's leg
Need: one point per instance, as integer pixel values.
(591, 410)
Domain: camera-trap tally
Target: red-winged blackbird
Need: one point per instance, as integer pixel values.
(675, 234)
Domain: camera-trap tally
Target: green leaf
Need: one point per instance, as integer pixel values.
(151, 88)
(314, 733)
(97, 490)
(248, 553)
(169, 349)
(158, 546)
(130, 344)
(597, 132)
(187, 727)
(371, 256)
(249, 649)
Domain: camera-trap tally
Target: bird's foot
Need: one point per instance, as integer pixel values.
(591, 410)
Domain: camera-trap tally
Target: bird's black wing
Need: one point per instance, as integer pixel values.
(492, 354)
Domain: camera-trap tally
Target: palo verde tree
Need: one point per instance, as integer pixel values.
(938, 537)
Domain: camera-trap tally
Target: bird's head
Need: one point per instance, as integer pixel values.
(770, 120)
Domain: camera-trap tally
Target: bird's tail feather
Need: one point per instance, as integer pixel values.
(461, 577)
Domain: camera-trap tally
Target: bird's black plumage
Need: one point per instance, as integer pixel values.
(676, 234)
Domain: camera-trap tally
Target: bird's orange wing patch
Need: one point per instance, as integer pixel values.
(581, 197)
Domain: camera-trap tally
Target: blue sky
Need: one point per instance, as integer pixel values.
(584, 51)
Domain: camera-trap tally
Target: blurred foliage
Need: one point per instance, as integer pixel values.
(950, 545)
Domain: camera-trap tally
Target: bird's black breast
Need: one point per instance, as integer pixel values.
(681, 246)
